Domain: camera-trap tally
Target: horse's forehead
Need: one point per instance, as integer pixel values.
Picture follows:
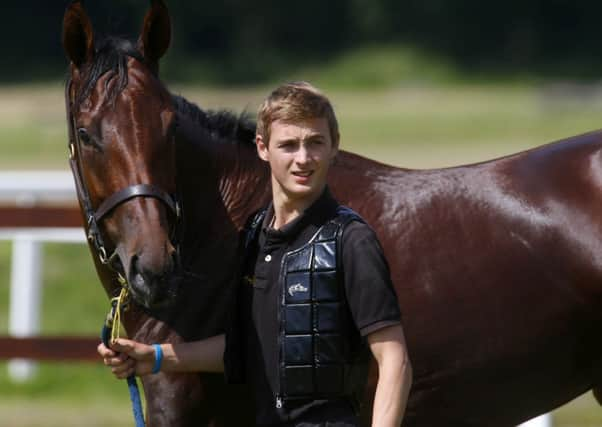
(141, 82)
(142, 92)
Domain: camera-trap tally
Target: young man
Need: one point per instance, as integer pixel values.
(315, 295)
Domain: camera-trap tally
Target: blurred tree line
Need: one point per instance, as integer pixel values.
(241, 41)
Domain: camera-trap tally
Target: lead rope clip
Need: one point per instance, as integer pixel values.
(110, 332)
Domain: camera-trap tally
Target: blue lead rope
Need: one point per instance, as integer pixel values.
(105, 336)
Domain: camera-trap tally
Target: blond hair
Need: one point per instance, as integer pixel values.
(294, 102)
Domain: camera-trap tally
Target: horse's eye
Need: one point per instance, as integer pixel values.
(83, 135)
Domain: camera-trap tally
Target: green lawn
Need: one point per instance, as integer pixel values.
(412, 126)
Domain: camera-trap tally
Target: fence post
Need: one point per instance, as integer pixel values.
(24, 318)
(544, 420)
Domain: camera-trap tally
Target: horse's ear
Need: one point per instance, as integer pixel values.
(78, 37)
(156, 33)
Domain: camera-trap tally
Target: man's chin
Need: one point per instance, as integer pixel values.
(303, 191)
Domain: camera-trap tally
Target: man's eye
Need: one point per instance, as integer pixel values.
(83, 135)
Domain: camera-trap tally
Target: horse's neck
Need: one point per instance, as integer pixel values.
(220, 184)
(211, 167)
(244, 184)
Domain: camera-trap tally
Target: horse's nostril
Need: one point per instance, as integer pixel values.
(136, 276)
(134, 265)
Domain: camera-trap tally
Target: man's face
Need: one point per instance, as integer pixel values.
(299, 155)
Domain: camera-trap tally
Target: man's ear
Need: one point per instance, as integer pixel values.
(335, 146)
(262, 148)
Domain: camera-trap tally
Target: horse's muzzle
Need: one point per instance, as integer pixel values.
(150, 284)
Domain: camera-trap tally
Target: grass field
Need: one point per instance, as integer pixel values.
(410, 126)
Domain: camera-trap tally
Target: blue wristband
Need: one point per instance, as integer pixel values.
(158, 358)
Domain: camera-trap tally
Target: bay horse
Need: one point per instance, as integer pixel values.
(497, 265)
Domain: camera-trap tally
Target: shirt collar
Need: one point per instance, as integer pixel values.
(317, 213)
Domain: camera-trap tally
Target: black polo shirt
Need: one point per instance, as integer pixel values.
(369, 293)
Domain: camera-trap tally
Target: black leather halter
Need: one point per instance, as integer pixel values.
(93, 217)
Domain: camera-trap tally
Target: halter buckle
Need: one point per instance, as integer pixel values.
(71, 151)
(91, 232)
(102, 255)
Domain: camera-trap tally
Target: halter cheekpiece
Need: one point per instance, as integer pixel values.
(94, 216)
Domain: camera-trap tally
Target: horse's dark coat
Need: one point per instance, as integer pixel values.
(497, 265)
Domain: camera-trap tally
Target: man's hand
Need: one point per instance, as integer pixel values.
(394, 376)
(127, 357)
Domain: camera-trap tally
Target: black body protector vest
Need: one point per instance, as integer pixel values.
(321, 354)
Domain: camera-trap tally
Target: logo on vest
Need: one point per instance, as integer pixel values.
(297, 287)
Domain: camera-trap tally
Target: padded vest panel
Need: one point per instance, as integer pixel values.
(314, 319)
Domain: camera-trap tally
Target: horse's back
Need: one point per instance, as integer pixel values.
(496, 266)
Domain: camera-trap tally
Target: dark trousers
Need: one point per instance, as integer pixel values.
(339, 423)
(338, 413)
(319, 421)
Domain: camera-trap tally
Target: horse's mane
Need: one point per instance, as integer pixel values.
(222, 125)
(111, 55)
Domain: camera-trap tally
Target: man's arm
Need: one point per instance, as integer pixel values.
(394, 375)
(127, 357)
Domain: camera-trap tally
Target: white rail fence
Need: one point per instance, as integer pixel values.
(25, 285)
(31, 189)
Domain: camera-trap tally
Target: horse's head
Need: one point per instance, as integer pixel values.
(121, 124)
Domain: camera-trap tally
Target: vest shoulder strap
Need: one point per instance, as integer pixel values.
(334, 228)
(252, 227)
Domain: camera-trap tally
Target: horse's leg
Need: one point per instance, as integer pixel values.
(193, 400)
(174, 400)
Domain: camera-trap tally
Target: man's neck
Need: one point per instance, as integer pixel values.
(287, 208)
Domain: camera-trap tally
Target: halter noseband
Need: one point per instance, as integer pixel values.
(93, 217)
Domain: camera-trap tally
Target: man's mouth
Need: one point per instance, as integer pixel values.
(303, 174)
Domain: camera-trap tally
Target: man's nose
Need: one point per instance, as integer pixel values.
(303, 156)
